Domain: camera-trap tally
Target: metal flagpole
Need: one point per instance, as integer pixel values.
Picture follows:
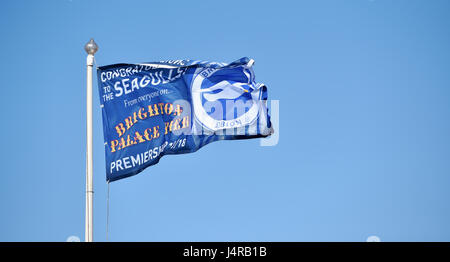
(91, 47)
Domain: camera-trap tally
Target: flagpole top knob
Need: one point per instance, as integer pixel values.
(91, 47)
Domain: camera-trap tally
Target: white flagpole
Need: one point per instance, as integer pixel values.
(91, 47)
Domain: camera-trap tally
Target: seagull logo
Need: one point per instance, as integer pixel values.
(218, 90)
(227, 91)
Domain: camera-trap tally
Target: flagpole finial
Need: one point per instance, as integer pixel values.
(91, 47)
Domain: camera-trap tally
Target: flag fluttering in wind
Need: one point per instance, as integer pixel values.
(174, 107)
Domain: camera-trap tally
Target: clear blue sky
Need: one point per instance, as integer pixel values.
(364, 90)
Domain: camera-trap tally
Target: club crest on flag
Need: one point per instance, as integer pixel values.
(220, 101)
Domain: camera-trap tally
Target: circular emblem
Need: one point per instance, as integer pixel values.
(221, 99)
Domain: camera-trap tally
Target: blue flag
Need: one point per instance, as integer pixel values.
(175, 107)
